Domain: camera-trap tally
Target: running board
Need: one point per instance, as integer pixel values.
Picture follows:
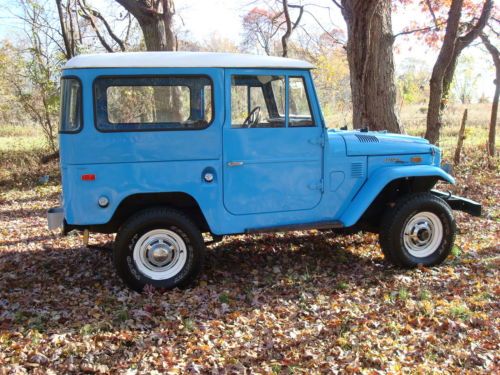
(292, 227)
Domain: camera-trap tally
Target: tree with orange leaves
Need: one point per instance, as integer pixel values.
(458, 35)
(457, 23)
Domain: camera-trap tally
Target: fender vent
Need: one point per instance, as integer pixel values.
(367, 138)
(356, 170)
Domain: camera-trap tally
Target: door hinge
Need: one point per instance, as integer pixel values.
(317, 186)
(318, 141)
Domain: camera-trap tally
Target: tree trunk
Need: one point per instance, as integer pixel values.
(371, 64)
(155, 23)
(494, 108)
(461, 137)
(68, 49)
(290, 27)
(154, 35)
(288, 32)
(434, 111)
(157, 28)
(493, 120)
(444, 68)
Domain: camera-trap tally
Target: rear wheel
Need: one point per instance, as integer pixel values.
(160, 247)
(420, 229)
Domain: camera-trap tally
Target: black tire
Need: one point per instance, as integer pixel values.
(392, 236)
(148, 220)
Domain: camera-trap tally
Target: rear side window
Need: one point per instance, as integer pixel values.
(153, 103)
(71, 106)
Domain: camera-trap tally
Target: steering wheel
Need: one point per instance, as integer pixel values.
(253, 117)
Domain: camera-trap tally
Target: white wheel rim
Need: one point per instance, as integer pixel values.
(160, 254)
(423, 234)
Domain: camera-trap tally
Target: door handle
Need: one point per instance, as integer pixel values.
(234, 163)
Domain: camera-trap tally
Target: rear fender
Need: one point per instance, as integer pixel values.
(381, 178)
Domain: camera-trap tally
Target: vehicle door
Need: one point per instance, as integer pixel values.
(273, 142)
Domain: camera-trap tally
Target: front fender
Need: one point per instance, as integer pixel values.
(378, 180)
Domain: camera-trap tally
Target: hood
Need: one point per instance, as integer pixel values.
(378, 143)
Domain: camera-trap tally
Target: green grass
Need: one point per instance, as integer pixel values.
(224, 298)
(460, 311)
(425, 295)
(22, 144)
(403, 294)
(20, 131)
(21, 148)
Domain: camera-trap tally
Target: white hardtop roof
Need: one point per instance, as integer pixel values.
(182, 60)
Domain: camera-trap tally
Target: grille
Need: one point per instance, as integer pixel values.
(356, 170)
(367, 138)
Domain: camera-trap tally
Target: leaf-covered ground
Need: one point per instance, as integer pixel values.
(304, 302)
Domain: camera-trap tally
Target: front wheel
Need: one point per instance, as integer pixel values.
(419, 230)
(160, 247)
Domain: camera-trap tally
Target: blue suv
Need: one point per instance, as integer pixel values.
(161, 147)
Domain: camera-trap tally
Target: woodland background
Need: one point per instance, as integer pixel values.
(287, 303)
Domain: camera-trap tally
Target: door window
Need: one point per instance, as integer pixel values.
(260, 102)
(257, 101)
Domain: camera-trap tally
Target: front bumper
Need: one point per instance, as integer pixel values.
(458, 203)
(55, 218)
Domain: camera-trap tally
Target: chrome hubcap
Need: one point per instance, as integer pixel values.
(423, 234)
(160, 254)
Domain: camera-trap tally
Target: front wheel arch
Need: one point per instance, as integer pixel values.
(389, 195)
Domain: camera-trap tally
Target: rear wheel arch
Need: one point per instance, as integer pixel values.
(180, 201)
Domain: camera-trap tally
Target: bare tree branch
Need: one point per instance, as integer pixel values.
(428, 28)
(334, 38)
(338, 4)
(98, 15)
(434, 18)
(479, 26)
(86, 14)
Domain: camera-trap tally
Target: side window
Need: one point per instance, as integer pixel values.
(147, 104)
(153, 103)
(299, 109)
(71, 106)
(257, 101)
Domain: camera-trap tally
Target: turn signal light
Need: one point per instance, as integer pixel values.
(88, 177)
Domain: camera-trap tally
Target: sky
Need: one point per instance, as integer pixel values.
(201, 18)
